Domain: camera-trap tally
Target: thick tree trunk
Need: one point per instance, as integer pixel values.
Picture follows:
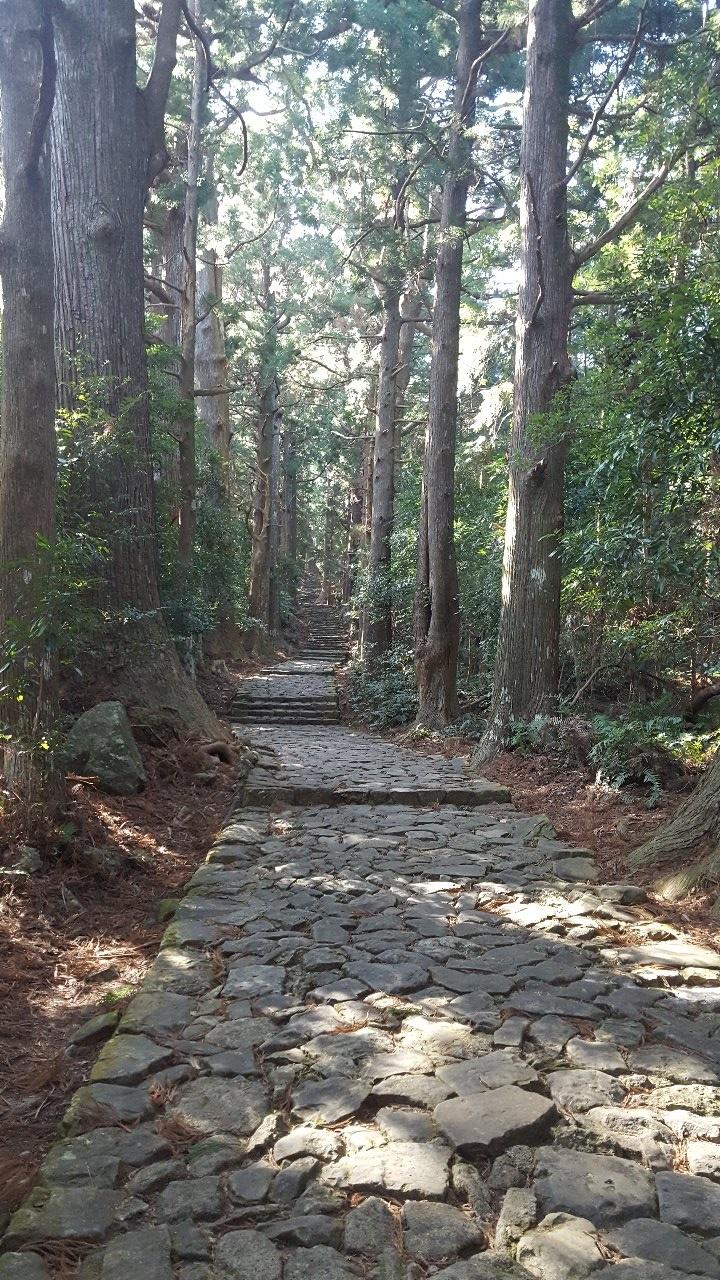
(527, 661)
(187, 461)
(106, 143)
(437, 623)
(691, 837)
(28, 458)
(377, 632)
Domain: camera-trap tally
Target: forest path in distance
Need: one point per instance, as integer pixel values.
(395, 1029)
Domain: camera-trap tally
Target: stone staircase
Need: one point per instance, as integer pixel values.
(302, 691)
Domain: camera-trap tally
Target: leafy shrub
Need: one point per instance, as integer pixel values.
(382, 692)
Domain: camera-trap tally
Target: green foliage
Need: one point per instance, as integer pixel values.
(383, 692)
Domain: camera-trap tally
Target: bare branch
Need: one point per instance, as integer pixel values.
(245, 70)
(600, 110)
(593, 297)
(238, 116)
(596, 10)
(204, 39)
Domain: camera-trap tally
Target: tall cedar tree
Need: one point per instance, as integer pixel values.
(108, 146)
(28, 457)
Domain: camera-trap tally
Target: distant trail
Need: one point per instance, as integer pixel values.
(396, 1029)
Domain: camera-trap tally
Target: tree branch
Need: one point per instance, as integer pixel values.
(245, 70)
(596, 10)
(600, 110)
(626, 219)
(46, 96)
(593, 297)
(157, 88)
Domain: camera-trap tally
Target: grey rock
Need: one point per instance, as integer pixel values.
(678, 953)
(703, 1099)
(154, 1177)
(320, 1263)
(157, 1012)
(595, 1054)
(435, 1232)
(64, 1213)
(551, 1033)
(291, 1181)
(220, 1106)
(128, 1060)
(672, 1064)
(193, 1198)
(145, 1252)
(491, 1071)
(250, 980)
(561, 1248)
(576, 869)
(101, 745)
(392, 1266)
(247, 1255)
(370, 1228)
(403, 1125)
(582, 1089)
(689, 1202)
(189, 1243)
(511, 1033)
(703, 1158)
(401, 1168)
(308, 1230)
(483, 1266)
(251, 1184)
(639, 1269)
(307, 1141)
(23, 1266)
(517, 1214)
(392, 979)
(485, 1123)
(329, 1100)
(424, 1091)
(103, 1104)
(512, 1168)
(604, 1189)
(95, 1029)
(661, 1242)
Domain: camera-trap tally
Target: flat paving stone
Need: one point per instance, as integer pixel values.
(404, 1000)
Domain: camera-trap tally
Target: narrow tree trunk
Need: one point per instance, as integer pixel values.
(377, 636)
(259, 595)
(411, 311)
(107, 144)
(327, 582)
(28, 458)
(275, 526)
(527, 661)
(437, 630)
(187, 456)
(211, 365)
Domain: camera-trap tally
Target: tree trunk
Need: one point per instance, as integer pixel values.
(211, 365)
(107, 144)
(28, 457)
(437, 627)
(187, 457)
(377, 636)
(691, 835)
(527, 660)
(263, 514)
(411, 311)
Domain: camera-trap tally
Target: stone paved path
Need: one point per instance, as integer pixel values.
(395, 1030)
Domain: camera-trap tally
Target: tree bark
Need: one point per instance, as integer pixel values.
(211, 365)
(107, 145)
(692, 837)
(263, 506)
(527, 659)
(187, 461)
(28, 457)
(437, 623)
(377, 631)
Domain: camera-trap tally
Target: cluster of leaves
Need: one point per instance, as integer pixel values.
(383, 692)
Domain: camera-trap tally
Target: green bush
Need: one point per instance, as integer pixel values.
(382, 692)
